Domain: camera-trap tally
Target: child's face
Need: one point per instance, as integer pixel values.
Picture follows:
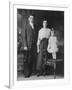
(52, 33)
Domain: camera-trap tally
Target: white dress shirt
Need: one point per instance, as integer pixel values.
(31, 24)
(43, 33)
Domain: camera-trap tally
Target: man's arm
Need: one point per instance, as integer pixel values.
(25, 38)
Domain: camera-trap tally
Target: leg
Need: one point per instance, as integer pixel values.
(39, 62)
(30, 61)
(54, 55)
(34, 59)
(26, 69)
(54, 70)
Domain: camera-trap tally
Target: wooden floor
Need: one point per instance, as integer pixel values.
(34, 77)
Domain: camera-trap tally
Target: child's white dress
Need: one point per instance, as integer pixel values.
(52, 45)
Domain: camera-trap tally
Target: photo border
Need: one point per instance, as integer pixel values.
(13, 47)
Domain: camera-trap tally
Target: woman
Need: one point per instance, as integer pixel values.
(42, 43)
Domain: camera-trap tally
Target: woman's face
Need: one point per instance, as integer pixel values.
(44, 23)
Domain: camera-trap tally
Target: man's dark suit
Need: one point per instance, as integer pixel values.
(29, 41)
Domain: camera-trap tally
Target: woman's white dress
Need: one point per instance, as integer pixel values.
(52, 45)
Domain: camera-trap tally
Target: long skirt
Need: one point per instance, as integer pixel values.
(43, 48)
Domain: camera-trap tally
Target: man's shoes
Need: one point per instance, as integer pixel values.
(39, 74)
(34, 73)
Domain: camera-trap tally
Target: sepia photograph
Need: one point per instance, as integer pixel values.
(40, 44)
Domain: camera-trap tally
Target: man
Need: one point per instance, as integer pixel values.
(29, 42)
(42, 43)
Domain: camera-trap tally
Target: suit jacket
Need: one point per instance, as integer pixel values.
(29, 36)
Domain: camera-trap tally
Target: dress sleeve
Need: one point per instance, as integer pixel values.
(38, 41)
(49, 46)
(49, 43)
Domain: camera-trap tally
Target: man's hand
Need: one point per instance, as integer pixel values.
(25, 48)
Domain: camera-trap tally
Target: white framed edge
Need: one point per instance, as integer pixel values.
(13, 46)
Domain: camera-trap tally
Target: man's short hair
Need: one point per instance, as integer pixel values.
(30, 16)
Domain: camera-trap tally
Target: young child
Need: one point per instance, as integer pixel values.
(52, 45)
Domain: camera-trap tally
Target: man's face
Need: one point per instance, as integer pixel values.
(31, 19)
(44, 23)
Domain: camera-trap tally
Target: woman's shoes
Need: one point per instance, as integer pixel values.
(27, 76)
